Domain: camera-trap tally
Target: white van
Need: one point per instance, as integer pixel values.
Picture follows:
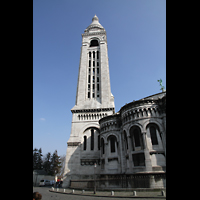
(44, 182)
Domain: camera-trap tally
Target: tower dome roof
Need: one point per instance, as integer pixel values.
(95, 24)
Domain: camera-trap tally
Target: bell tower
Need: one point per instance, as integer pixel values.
(94, 100)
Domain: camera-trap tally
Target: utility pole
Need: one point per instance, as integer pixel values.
(95, 165)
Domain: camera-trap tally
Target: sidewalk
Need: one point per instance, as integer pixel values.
(118, 194)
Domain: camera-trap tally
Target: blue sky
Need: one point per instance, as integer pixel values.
(136, 36)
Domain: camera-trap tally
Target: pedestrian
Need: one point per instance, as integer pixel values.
(37, 196)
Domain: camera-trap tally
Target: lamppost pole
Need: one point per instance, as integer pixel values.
(95, 165)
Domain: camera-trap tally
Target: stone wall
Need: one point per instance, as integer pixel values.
(106, 182)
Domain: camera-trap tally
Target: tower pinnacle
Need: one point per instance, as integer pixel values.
(95, 18)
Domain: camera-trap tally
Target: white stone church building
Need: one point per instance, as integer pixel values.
(128, 143)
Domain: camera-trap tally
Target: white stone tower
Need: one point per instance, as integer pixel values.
(94, 100)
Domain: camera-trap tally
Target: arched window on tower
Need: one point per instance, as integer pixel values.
(92, 139)
(94, 43)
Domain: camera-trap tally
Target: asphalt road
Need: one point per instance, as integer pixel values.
(46, 195)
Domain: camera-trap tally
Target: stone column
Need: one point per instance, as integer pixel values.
(146, 153)
(129, 153)
(106, 156)
(163, 141)
(120, 152)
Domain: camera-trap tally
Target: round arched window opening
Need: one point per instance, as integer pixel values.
(94, 43)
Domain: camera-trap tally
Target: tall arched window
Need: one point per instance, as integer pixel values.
(85, 143)
(102, 146)
(136, 137)
(154, 139)
(92, 139)
(113, 143)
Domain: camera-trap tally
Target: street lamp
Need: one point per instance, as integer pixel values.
(95, 165)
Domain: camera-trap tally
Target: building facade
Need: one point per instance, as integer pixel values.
(131, 141)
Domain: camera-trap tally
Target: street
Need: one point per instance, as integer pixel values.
(46, 195)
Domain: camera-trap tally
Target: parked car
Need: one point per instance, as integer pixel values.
(44, 182)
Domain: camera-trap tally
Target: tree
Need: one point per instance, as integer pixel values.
(37, 159)
(55, 163)
(52, 164)
(40, 163)
(47, 163)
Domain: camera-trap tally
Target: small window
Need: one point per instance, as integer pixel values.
(89, 63)
(88, 78)
(89, 54)
(138, 159)
(93, 80)
(93, 54)
(93, 63)
(97, 54)
(97, 70)
(97, 87)
(97, 79)
(92, 95)
(93, 86)
(97, 64)
(94, 43)
(88, 94)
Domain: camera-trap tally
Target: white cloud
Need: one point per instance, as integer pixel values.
(42, 119)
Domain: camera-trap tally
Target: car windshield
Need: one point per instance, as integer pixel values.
(42, 181)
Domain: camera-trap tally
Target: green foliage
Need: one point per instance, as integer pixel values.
(37, 159)
(50, 163)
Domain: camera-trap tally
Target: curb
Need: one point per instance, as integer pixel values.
(97, 195)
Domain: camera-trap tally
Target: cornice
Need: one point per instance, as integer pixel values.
(92, 110)
(94, 33)
(73, 143)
